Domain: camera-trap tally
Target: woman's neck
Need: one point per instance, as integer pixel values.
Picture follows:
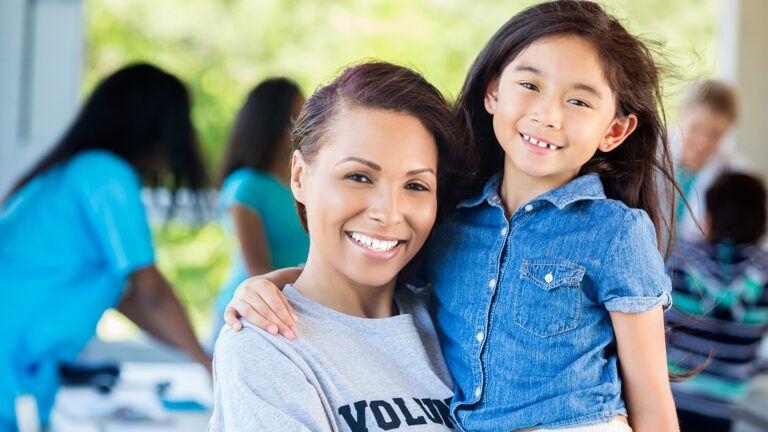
(322, 283)
(518, 188)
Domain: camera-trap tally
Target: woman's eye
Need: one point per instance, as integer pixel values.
(417, 187)
(357, 177)
(529, 86)
(578, 102)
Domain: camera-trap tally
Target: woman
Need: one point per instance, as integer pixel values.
(254, 193)
(372, 150)
(75, 238)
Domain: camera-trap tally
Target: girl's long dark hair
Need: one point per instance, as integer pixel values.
(261, 126)
(632, 172)
(141, 114)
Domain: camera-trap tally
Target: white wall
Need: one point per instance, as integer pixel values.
(41, 60)
(743, 61)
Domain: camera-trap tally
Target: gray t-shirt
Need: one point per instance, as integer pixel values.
(341, 373)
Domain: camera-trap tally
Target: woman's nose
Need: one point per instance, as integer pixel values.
(385, 207)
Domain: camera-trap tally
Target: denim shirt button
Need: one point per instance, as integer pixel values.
(529, 207)
(479, 336)
(548, 278)
(492, 283)
(504, 231)
(478, 391)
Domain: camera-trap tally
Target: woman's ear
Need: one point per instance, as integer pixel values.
(491, 98)
(617, 132)
(298, 173)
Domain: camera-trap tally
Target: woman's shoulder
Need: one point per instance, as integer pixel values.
(250, 187)
(102, 160)
(102, 167)
(250, 347)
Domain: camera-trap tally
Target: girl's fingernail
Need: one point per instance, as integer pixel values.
(289, 334)
(272, 329)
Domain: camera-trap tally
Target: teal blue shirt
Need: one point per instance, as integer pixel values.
(273, 201)
(70, 238)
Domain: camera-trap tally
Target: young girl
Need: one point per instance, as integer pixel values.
(549, 284)
(254, 192)
(372, 150)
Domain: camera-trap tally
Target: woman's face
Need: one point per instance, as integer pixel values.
(370, 194)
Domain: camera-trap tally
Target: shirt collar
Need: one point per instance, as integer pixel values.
(584, 187)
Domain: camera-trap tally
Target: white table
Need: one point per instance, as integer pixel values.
(143, 366)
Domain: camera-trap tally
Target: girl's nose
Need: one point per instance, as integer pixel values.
(548, 113)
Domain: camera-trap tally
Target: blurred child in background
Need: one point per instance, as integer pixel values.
(720, 286)
(708, 115)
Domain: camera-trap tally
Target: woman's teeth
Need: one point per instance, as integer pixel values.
(372, 243)
(541, 144)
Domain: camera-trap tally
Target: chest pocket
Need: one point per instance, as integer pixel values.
(548, 297)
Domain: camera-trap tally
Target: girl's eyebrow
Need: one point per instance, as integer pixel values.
(578, 86)
(376, 167)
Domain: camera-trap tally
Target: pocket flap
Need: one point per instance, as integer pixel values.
(550, 274)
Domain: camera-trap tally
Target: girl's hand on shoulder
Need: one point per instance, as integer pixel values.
(263, 304)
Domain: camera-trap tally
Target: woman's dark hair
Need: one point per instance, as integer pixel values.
(141, 114)
(261, 125)
(736, 205)
(631, 172)
(384, 86)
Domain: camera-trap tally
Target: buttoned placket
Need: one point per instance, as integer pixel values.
(481, 336)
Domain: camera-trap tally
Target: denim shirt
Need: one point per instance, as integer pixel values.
(523, 303)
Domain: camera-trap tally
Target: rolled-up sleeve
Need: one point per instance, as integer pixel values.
(632, 278)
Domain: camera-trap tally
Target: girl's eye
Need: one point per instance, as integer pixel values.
(529, 86)
(359, 178)
(578, 102)
(417, 187)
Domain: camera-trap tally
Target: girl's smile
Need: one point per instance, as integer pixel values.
(539, 145)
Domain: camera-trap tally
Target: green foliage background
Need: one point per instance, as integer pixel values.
(222, 48)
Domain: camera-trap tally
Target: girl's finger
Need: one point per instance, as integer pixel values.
(231, 318)
(279, 304)
(263, 309)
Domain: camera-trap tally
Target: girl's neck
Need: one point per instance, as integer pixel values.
(518, 188)
(325, 285)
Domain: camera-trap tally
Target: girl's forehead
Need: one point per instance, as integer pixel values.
(571, 59)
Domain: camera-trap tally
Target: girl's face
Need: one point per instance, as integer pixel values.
(552, 109)
(370, 194)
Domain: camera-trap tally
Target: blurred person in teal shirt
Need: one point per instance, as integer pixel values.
(76, 240)
(256, 204)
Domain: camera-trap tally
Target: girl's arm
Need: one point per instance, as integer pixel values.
(261, 302)
(151, 304)
(643, 362)
(253, 239)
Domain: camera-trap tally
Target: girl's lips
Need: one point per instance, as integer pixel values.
(536, 149)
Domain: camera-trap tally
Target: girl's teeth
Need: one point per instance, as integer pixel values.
(542, 145)
(551, 147)
(533, 140)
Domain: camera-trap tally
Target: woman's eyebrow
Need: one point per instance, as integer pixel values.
(377, 167)
(420, 170)
(373, 165)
